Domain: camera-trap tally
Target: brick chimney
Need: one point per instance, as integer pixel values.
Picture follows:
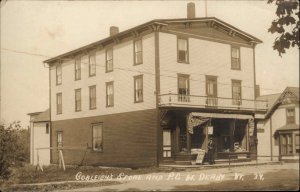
(113, 30)
(191, 13)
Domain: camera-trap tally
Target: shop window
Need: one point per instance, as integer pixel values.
(167, 143)
(297, 143)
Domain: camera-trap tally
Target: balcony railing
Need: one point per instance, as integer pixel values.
(177, 100)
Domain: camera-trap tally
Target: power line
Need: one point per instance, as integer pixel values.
(145, 72)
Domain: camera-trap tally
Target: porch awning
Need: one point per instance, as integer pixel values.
(223, 116)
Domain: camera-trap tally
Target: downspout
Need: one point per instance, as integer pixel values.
(157, 90)
(271, 138)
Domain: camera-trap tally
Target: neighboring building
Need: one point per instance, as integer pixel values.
(152, 93)
(40, 129)
(278, 133)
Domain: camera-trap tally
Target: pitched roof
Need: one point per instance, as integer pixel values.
(40, 116)
(274, 100)
(160, 22)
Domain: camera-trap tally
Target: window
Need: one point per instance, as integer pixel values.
(138, 89)
(47, 128)
(183, 88)
(77, 68)
(182, 50)
(235, 58)
(58, 74)
(211, 90)
(93, 97)
(92, 65)
(138, 52)
(167, 143)
(286, 144)
(59, 139)
(236, 92)
(297, 143)
(110, 94)
(59, 103)
(290, 115)
(97, 137)
(77, 99)
(109, 60)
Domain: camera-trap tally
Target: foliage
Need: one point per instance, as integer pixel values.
(14, 142)
(288, 17)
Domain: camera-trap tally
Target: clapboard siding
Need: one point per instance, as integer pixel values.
(122, 76)
(205, 58)
(129, 139)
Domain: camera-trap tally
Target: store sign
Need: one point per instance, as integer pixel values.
(210, 130)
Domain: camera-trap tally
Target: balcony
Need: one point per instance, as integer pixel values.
(195, 101)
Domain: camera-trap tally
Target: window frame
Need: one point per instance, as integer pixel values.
(134, 91)
(106, 59)
(102, 143)
(285, 145)
(90, 97)
(58, 66)
(62, 139)
(238, 59)
(76, 104)
(78, 58)
(135, 51)
(186, 61)
(288, 118)
(111, 83)
(183, 97)
(92, 54)
(211, 78)
(236, 101)
(59, 106)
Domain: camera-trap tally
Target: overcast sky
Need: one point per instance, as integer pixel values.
(31, 30)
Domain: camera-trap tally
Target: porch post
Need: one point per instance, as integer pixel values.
(188, 136)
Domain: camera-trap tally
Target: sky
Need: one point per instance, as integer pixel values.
(33, 31)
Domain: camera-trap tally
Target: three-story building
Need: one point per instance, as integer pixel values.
(155, 92)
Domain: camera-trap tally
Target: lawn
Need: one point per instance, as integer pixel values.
(29, 175)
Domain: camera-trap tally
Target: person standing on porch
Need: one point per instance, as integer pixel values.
(211, 151)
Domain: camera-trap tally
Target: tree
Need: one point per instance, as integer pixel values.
(14, 149)
(286, 25)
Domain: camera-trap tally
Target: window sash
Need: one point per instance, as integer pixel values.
(290, 115)
(78, 100)
(235, 58)
(78, 68)
(211, 85)
(59, 139)
(109, 94)
(97, 137)
(109, 60)
(92, 65)
(58, 103)
(93, 97)
(138, 53)
(138, 89)
(236, 93)
(59, 74)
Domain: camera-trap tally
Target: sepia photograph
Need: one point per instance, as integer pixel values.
(149, 95)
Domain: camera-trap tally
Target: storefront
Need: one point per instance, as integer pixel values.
(189, 131)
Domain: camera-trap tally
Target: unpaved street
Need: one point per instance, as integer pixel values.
(264, 177)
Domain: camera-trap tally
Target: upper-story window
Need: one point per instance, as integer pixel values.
(92, 64)
(110, 94)
(290, 115)
(138, 89)
(236, 92)
(182, 50)
(77, 99)
(58, 73)
(183, 87)
(77, 68)
(109, 60)
(92, 90)
(235, 58)
(138, 52)
(59, 103)
(211, 90)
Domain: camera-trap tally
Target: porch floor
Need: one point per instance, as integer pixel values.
(220, 164)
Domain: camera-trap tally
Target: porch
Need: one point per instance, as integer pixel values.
(185, 132)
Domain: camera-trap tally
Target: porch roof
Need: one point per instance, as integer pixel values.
(288, 127)
(222, 115)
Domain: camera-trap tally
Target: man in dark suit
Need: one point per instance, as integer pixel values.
(211, 151)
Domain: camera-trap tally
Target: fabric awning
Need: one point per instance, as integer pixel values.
(223, 116)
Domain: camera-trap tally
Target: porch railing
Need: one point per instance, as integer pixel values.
(177, 100)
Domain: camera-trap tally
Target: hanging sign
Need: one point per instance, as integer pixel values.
(210, 130)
